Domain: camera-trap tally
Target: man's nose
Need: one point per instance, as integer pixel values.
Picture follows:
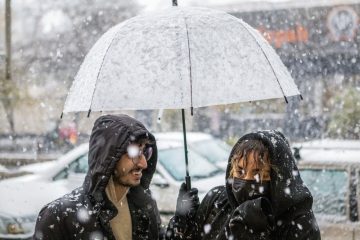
(142, 162)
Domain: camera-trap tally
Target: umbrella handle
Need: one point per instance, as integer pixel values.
(187, 176)
(188, 183)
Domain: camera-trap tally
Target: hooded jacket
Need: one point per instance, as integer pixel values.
(86, 211)
(286, 215)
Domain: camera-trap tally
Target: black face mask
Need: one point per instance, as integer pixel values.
(244, 190)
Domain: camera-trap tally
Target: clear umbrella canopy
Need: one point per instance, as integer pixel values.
(178, 58)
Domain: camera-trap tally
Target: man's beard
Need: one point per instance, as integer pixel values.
(118, 175)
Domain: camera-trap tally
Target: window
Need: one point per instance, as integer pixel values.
(80, 165)
(214, 150)
(173, 160)
(329, 189)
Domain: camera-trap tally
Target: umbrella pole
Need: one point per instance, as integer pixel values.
(187, 177)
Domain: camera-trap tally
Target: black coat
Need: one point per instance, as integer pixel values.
(288, 215)
(85, 212)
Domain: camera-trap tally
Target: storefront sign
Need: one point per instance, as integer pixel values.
(316, 40)
(315, 28)
(342, 23)
(278, 37)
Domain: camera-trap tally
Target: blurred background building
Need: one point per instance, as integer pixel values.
(317, 40)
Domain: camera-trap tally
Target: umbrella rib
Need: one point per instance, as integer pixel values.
(190, 74)
(97, 77)
(272, 68)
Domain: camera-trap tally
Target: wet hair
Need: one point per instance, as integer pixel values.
(244, 149)
(142, 139)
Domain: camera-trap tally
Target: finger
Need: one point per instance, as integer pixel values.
(183, 187)
(192, 191)
(191, 198)
(194, 198)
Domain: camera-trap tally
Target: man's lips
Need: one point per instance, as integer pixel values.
(136, 172)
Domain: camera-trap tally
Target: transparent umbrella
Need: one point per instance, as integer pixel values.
(179, 58)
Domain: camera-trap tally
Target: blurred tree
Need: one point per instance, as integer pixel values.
(8, 90)
(345, 118)
(9, 94)
(171, 120)
(49, 42)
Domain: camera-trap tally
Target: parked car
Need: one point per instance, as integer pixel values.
(22, 197)
(3, 171)
(214, 149)
(331, 170)
(9, 173)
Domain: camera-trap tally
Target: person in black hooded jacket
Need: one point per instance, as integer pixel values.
(115, 201)
(263, 198)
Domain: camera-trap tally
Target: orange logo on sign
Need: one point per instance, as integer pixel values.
(279, 37)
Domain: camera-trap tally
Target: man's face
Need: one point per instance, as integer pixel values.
(128, 171)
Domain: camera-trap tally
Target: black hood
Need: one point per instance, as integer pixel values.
(109, 140)
(287, 188)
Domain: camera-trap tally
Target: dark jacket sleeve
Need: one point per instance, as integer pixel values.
(48, 225)
(207, 211)
(197, 224)
(302, 227)
(251, 220)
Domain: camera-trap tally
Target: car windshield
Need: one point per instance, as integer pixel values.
(329, 190)
(173, 160)
(80, 165)
(214, 150)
